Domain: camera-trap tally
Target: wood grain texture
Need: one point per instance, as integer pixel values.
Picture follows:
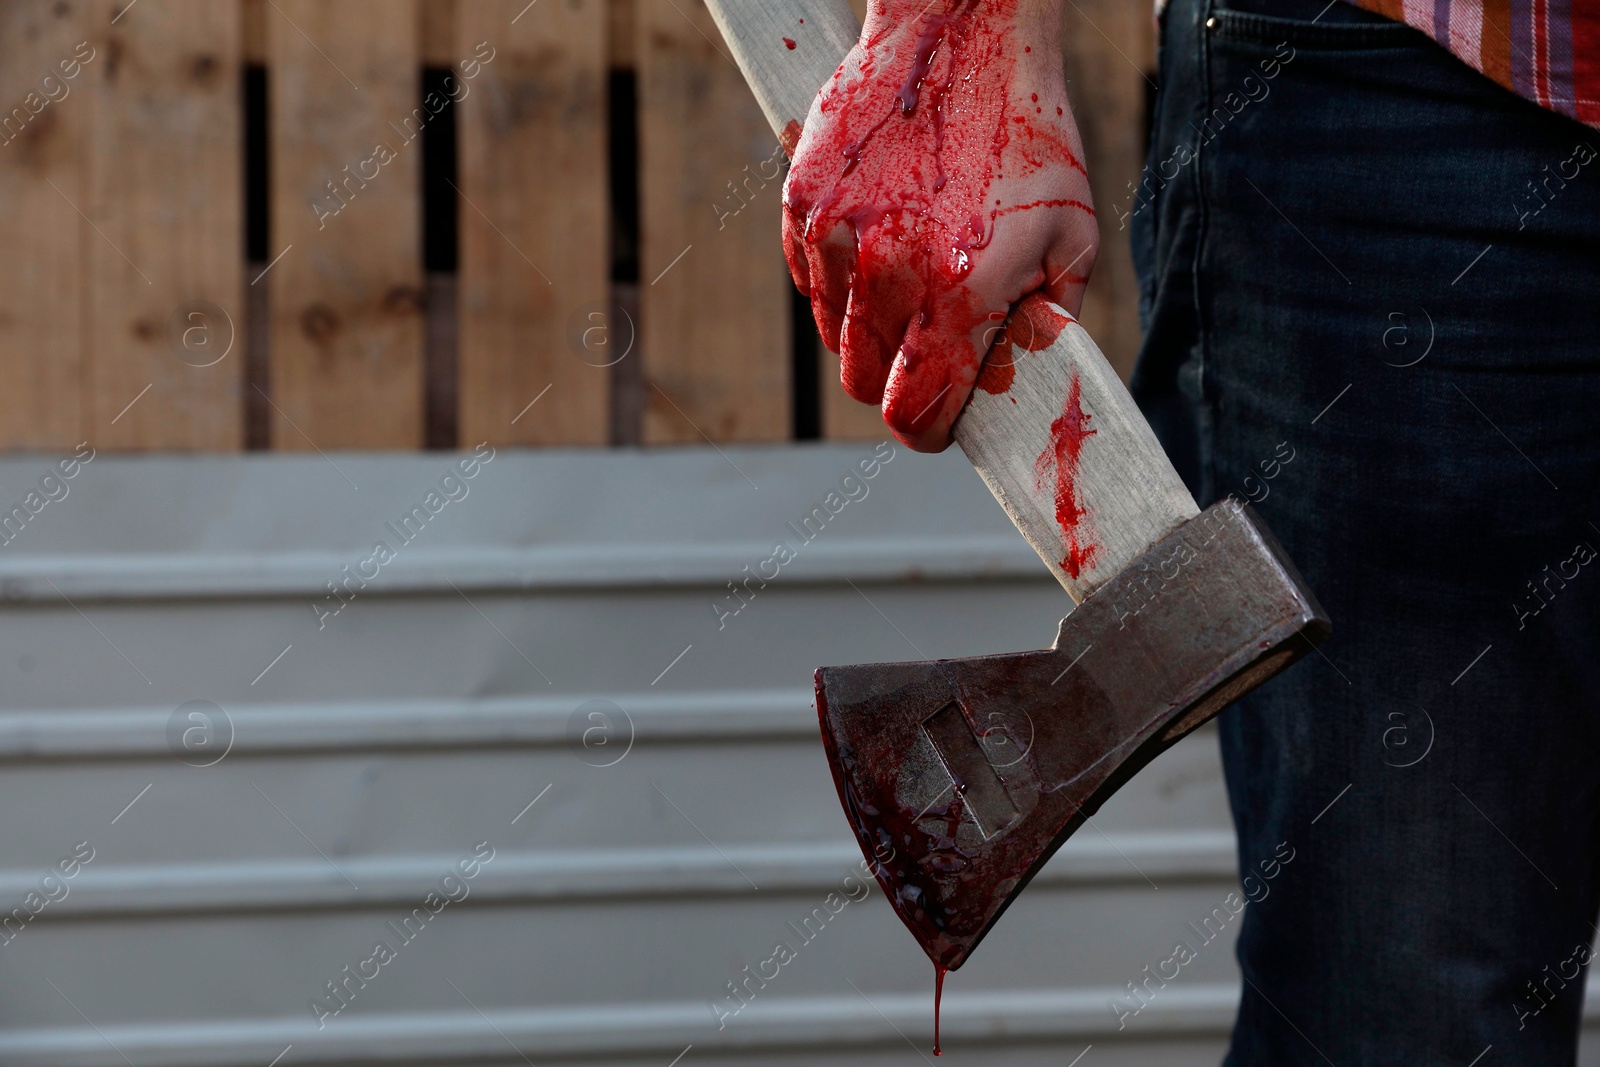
(1123, 485)
(621, 39)
(255, 30)
(42, 273)
(1127, 489)
(785, 81)
(347, 363)
(715, 310)
(533, 231)
(1110, 45)
(754, 33)
(166, 295)
(440, 46)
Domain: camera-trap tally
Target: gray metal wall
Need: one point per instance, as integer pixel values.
(342, 765)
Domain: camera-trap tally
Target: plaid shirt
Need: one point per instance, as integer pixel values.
(1547, 51)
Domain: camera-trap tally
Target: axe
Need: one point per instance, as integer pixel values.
(961, 777)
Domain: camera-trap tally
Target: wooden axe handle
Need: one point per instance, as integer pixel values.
(1086, 523)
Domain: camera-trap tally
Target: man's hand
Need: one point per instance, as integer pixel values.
(939, 180)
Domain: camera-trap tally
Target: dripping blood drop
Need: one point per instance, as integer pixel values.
(788, 42)
(1033, 327)
(938, 995)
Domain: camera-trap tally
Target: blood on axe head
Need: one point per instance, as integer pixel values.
(961, 777)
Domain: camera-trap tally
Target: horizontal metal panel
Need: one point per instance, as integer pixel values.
(820, 1025)
(658, 716)
(217, 575)
(795, 1024)
(436, 709)
(789, 868)
(573, 955)
(385, 806)
(464, 646)
(286, 525)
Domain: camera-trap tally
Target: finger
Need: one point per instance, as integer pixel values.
(831, 261)
(1070, 261)
(945, 346)
(935, 370)
(884, 296)
(794, 249)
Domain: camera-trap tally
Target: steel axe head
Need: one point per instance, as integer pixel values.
(961, 777)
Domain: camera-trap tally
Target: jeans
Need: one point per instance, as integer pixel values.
(1370, 284)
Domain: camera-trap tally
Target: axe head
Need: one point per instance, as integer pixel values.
(962, 777)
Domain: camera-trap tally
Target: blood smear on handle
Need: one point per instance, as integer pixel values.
(1059, 463)
(790, 138)
(1033, 327)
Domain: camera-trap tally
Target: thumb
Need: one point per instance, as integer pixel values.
(1068, 264)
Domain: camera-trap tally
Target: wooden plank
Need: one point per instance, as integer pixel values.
(439, 47)
(620, 36)
(165, 307)
(627, 378)
(1107, 40)
(347, 357)
(785, 91)
(534, 249)
(42, 273)
(715, 334)
(443, 326)
(255, 31)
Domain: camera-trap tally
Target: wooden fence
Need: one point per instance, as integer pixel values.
(396, 224)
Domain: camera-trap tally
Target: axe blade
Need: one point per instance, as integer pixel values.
(961, 777)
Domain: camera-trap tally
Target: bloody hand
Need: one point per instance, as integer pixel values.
(938, 181)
